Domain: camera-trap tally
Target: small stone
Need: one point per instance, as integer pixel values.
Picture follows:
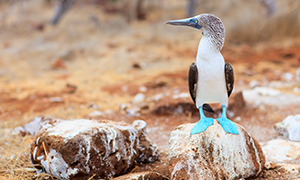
(254, 83)
(82, 148)
(123, 107)
(139, 65)
(181, 95)
(290, 127)
(92, 106)
(30, 128)
(95, 114)
(296, 89)
(138, 98)
(287, 77)
(70, 88)
(237, 119)
(298, 75)
(143, 88)
(134, 111)
(56, 99)
(269, 96)
(213, 154)
(157, 97)
(38, 26)
(58, 64)
(264, 91)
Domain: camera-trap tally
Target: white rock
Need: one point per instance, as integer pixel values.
(264, 91)
(280, 84)
(181, 95)
(281, 151)
(56, 99)
(143, 88)
(138, 98)
(254, 83)
(298, 75)
(157, 97)
(269, 96)
(95, 114)
(287, 76)
(213, 154)
(30, 128)
(296, 89)
(290, 127)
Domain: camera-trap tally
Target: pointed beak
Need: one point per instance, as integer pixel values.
(193, 22)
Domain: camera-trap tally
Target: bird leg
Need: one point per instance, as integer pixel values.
(227, 125)
(203, 123)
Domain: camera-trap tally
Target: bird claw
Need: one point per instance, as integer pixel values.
(228, 125)
(202, 125)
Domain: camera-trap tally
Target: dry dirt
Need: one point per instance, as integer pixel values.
(97, 61)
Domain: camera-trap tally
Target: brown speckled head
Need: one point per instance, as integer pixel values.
(212, 27)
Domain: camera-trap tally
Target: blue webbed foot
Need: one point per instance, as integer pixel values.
(227, 125)
(202, 125)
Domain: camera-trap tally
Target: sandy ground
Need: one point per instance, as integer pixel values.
(98, 61)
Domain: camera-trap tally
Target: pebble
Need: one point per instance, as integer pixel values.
(138, 98)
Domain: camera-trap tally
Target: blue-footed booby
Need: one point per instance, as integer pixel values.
(210, 79)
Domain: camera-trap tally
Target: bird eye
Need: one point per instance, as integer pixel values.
(196, 21)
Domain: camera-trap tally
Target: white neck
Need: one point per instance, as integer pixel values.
(207, 49)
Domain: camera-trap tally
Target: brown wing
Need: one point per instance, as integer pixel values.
(193, 79)
(229, 76)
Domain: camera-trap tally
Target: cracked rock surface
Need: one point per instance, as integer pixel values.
(214, 154)
(81, 148)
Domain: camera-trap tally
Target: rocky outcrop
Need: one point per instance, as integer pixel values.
(213, 154)
(81, 148)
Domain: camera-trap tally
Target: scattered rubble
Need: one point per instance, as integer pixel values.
(81, 148)
(213, 154)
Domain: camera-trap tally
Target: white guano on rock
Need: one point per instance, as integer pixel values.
(213, 154)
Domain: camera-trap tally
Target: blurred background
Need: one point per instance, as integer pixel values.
(102, 51)
(116, 59)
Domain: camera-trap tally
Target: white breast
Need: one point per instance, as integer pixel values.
(211, 86)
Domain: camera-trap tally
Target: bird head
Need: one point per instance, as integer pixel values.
(210, 25)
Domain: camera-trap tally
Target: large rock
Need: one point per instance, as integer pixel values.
(290, 127)
(81, 148)
(213, 154)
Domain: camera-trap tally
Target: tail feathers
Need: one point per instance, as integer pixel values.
(207, 107)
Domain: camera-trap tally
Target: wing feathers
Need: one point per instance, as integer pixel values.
(229, 76)
(193, 79)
